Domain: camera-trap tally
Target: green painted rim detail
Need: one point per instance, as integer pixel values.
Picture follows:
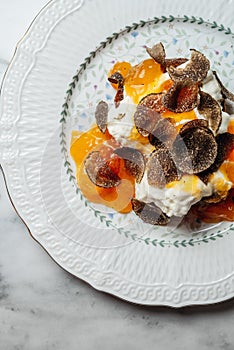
(65, 114)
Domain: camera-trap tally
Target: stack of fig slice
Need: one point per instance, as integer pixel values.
(101, 173)
(134, 161)
(196, 149)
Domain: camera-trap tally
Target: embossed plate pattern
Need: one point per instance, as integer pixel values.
(114, 253)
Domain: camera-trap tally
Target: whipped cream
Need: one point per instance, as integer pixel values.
(175, 199)
(121, 121)
(211, 86)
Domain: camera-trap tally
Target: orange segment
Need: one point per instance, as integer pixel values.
(143, 73)
(87, 141)
(228, 169)
(142, 79)
(106, 194)
(179, 117)
(166, 85)
(118, 198)
(122, 68)
(75, 135)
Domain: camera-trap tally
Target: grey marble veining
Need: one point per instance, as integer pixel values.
(44, 307)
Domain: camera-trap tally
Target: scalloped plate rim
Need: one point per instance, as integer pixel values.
(27, 225)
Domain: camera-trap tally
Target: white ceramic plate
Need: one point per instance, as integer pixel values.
(44, 97)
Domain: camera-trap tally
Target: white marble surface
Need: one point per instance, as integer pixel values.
(43, 307)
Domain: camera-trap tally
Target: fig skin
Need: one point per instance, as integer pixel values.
(149, 213)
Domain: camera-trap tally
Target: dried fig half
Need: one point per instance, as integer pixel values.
(194, 72)
(99, 172)
(196, 123)
(149, 213)
(161, 168)
(101, 116)
(225, 143)
(181, 98)
(133, 160)
(195, 149)
(157, 52)
(153, 102)
(148, 114)
(211, 110)
(164, 133)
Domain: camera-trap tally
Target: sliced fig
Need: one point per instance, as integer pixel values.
(145, 120)
(225, 143)
(225, 92)
(161, 168)
(99, 172)
(153, 102)
(181, 98)
(164, 133)
(211, 110)
(149, 213)
(148, 114)
(196, 123)
(195, 149)
(175, 62)
(101, 116)
(157, 52)
(117, 78)
(133, 160)
(194, 72)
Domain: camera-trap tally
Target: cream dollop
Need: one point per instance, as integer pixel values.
(175, 199)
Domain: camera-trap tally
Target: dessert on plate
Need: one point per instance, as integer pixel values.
(165, 146)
